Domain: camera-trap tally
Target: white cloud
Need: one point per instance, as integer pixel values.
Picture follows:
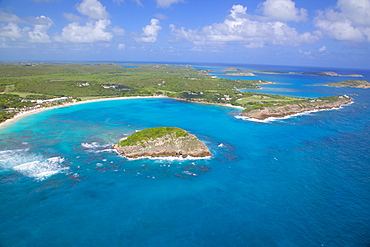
(118, 31)
(72, 17)
(357, 11)
(9, 17)
(11, 31)
(121, 47)
(150, 32)
(39, 33)
(93, 9)
(89, 33)
(350, 21)
(283, 10)
(306, 53)
(161, 16)
(240, 28)
(323, 49)
(167, 3)
(97, 29)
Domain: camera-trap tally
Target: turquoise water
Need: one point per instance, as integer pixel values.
(302, 181)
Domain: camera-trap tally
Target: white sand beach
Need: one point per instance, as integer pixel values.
(27, 113)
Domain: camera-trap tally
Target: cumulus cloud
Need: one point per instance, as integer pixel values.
(93, 9)
(357, 11)
(349, 21)
(96, 29)
(239, 27)
(39, 33)
(11, 31)
(36, 34)
(283, 10)
(167, 3)
(89, 33)
(150, 32)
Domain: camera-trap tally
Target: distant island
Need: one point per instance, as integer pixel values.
(283, 109)
(350, 83)
(330, 73)
(162, 142)
(232, 69)
(236, 72)
(241, 74)
(325, 73)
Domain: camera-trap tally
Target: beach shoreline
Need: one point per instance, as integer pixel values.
(27, 113)
(34, 111)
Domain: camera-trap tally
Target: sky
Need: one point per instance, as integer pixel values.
(320, 33)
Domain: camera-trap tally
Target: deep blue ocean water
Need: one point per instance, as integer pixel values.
(302, 181)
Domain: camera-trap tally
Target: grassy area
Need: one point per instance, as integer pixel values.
(350, 83)
(301, 103)
(23, 94)
(262, 98)
(111, 80)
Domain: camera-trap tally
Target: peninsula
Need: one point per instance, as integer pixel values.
(350, 83)
(283, 109)
(162, 142)
(330, 73)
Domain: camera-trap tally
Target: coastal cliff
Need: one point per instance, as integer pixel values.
(162, 142)
(282, 110)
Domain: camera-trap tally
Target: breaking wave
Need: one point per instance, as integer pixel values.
(96, 147)
(31, 165)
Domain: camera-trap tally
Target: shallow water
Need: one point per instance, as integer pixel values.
(302, 181)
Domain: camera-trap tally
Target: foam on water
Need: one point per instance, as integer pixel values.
(11, 158)
(41, 170)
(95, 147)
(31, 165)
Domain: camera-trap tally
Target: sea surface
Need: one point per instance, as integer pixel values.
(301, 181)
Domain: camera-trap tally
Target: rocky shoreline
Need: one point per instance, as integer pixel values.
(168, 145)
(281, 111)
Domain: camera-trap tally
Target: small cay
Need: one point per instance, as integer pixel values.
(162, 142)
